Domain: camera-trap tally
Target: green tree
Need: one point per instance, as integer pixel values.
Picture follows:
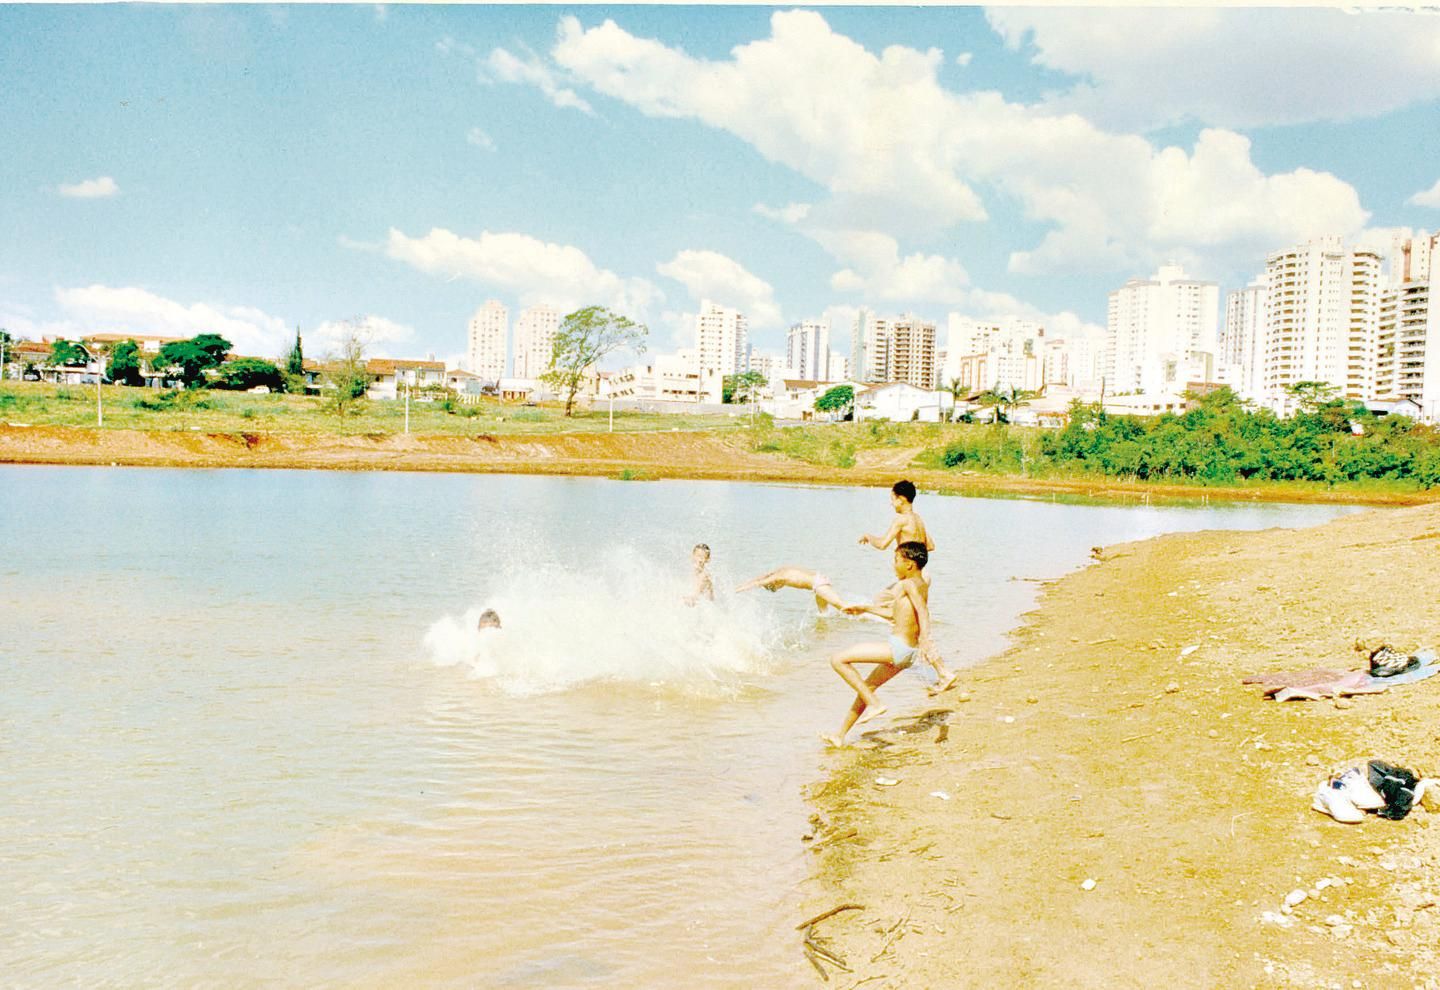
(68, 354)
(1311, 395)
(192, 358)
(345, 372)
(124, 365)
(585, 337)
(743, 387)
(837, 399)
(247, 373)
(295, 357)
(1006, 400)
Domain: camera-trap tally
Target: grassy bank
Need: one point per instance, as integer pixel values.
(126, 408)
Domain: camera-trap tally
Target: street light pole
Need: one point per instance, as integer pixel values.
(407, 407)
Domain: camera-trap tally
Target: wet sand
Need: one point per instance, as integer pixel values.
(1098, 748)
(637, 456)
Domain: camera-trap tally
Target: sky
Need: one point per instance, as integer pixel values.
(173, 169)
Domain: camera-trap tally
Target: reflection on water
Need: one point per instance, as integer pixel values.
(251, 738)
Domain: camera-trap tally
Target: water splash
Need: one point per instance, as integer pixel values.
(625, 621)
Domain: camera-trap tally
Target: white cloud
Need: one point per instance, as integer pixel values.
(91, 188)
(378, 335)
(902, 155)
(106, 309)
(534, 270)
(358, 245)
(963, 59)
(710, 275)
(1139, 67)
(1428, 197)
(501, 65)
(480, 139)
(789, 213)
(449, 46)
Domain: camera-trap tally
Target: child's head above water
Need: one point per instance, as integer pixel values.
(701, 555)
(902, 490)
(910, 553)
(489, 619)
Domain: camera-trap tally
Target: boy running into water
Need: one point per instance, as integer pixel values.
(909, 627)
(798, 577)
(908, 527)
(704, 587)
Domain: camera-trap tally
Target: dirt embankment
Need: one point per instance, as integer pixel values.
(1115, 743)
(639, 455)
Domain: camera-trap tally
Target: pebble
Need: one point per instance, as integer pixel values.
(1008, 719)
(941, 795)
(1088, 884)
(963, 696)
(1343, 703)
(1312, 760)
(1213, 733)
(1334, 920)
(1171, 688)
(1032, 700)
(1295, 897)
(886, 781)
(1189, 650)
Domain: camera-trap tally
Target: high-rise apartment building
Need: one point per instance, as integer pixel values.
(839, 367)
(489, 330)
(722, 339)
(912, 348)
(1154, 328)
(535, 330)
(1241, 356)
(807, 349)
(1408, 331)
(871, 350)
(1321, 320)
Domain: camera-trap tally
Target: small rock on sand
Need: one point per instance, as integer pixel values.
(1171, 688)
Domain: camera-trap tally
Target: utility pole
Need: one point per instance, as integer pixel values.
(407, 407)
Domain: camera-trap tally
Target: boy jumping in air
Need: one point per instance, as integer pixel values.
(909, 616)
(798, 577)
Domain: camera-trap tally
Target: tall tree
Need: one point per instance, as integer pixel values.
(585, 337)
(345, 370)
(743, 387)
(837, 399)
(124, 365)
(295, 357)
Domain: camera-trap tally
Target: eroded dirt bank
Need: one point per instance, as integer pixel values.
(636, 455)
(1098, 748)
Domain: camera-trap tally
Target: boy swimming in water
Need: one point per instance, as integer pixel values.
(489, 619)
(798, 577)
(704, 587)
(909, 616)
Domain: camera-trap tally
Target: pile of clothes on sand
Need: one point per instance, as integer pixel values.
(1380, 788)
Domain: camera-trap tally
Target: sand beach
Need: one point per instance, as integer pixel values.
(1115, 743)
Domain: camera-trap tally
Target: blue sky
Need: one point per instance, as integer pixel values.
(175, 169)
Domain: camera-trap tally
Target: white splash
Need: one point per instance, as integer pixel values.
(625, 622)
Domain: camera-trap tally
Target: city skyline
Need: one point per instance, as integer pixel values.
(992, 163)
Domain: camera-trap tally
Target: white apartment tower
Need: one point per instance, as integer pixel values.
(1321, 320)
(1242, 341)
(1408, 366)
(871, 351)
(535, 330)
(912, 349)
(1160, 331)
(807, 349)
(489, 329)
(722, 340)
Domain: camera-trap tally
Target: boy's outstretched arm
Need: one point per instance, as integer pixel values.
(881, 542)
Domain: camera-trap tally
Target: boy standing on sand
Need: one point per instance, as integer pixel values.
(704, 587)
(909, 616)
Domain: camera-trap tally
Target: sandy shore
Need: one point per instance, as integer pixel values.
(640, 456)
(1096, 748)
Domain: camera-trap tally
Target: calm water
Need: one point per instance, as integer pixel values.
(248, 738)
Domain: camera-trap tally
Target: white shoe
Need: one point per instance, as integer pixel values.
(1330, 799)
(1356, 787)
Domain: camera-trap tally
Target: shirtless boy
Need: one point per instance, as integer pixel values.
(704, 587)
(909, 627)
(797, 577)
(908, 527)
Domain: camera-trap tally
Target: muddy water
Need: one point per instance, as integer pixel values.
(250, 739)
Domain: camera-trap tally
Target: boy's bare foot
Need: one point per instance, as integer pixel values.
(874, 711)
(834, 742)
(945, 684)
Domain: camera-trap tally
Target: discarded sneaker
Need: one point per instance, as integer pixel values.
(1330, 799)
(1359, 791)
(1385, 662)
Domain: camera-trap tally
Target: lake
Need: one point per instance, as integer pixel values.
(250, 736)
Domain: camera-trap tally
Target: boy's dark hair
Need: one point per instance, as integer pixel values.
(905, 490)
(489, 617)
(702, 546)
(914, 550)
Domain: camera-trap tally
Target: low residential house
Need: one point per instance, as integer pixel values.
(1142, 404)
(665, 378)
(389, 377)
(25, 354)
(463, 383)
(516, 389)
(1395, 407)
(902, 402)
